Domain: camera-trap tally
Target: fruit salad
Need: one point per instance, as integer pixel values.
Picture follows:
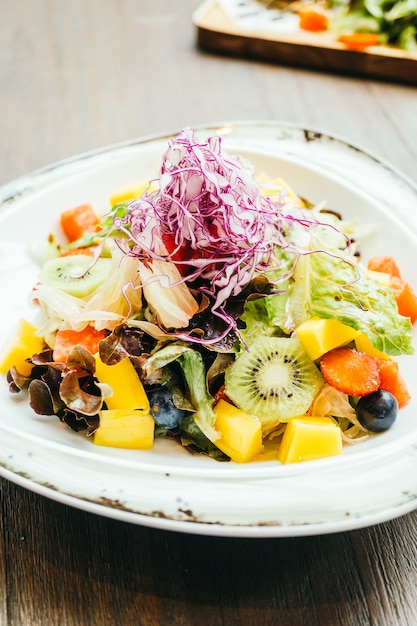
(215, 308)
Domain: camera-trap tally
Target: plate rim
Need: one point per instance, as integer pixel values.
(22, 182)
(32, 182)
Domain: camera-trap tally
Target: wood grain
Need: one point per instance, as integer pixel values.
(65, 566)
(75, 76)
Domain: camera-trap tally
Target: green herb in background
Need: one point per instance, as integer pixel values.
(395, 22)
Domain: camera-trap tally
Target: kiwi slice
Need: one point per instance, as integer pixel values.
(77, 275)
(274, 379)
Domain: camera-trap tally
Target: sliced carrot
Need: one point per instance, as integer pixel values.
(406, 298)
(88, 250)
(391, 380)
(66, 340)
(351, 372)
(313, 20)
(359, 41)
(385, 264)
(79, 220)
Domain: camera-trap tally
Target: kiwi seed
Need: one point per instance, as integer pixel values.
(77, 275)
(274, 379)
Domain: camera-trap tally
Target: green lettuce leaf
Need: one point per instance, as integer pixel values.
(192, 365)
(335, 287)
(192, 436)
(193, 368)
(264, 316)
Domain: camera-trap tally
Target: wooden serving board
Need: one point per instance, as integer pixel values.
(217, 32)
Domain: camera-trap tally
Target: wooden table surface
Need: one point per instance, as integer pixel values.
(78, 75)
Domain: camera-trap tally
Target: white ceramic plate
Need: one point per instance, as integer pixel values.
(168, 488)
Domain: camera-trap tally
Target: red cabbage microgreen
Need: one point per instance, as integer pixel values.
(210, 218)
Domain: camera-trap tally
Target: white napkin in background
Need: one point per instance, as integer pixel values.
(256, 16)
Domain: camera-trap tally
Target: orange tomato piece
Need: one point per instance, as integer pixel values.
(406, 298)
(88, 250)
(66, 340)
(392, 381)
(79, 220)
(384, 264)
(313, 20)
(359, 41)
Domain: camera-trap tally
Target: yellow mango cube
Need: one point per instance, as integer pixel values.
(125, 428)
(318, 336)
(240, 433)
(128, 391)
(129, 193)
(310, 438)
(363, 344)
(383, 278)
(273, 189)
(20, 345)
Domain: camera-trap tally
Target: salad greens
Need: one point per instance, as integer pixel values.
(329, 286)
(394, 20)
(204, 263)
(193, 368)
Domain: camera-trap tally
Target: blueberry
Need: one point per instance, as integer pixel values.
(377, 411)
(163, 409)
